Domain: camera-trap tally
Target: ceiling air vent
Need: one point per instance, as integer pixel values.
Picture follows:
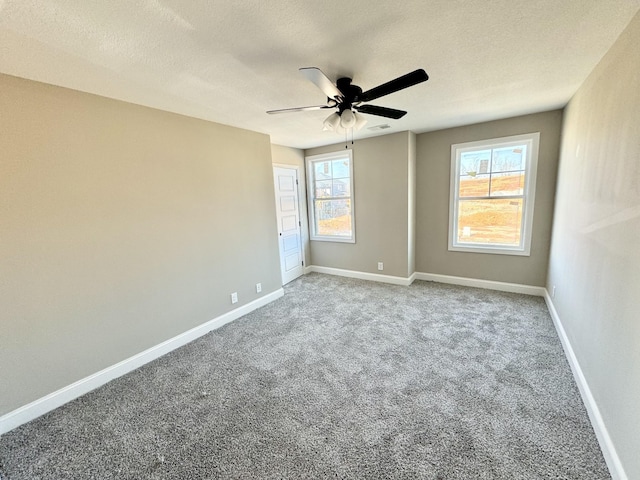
(380, 127)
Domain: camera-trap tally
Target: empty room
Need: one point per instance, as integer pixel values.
(319, 239)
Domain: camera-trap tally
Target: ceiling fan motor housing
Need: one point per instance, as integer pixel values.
(350, 93)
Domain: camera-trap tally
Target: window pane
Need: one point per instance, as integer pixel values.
(340, 168)
(509, 159)
(492, 221)
(333, 217)
(473, 163)
(323, 189)
(507, 183)
(341, 188)
(322, 170)
(474, 185)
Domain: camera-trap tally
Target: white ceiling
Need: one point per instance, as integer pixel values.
(230, 61)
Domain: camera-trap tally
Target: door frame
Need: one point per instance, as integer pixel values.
(304, 234)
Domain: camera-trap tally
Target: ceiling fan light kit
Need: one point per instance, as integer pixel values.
(347, 99)
(339, 122)
(331, 122)
(360, 121)
(347, 119)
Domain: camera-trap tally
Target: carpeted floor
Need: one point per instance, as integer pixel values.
(340, 378)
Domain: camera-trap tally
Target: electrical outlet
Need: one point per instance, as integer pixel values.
(380, 266)
(258, 287)
(553, 292)
(234, 297)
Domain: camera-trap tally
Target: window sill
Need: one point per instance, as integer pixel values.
(333, 239)
(491, 250)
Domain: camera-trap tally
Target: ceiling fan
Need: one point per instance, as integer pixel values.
(348, 100)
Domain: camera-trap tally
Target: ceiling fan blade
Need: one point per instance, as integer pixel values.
(381, 111)
(408, 80)
(300, 109)
(316, 76)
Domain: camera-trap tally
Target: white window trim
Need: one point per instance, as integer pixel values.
(532, 141)
(311, 195)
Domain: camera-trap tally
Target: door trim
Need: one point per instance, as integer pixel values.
(304, 232)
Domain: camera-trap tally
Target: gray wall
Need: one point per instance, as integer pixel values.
(121, 226)
(381, 178)
(595, 250)
(433, 176)
(295, 157)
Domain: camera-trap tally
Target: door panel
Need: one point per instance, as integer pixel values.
(288, 203)
(286, 184)
(291, 262)
(289, 224)
(289, 244)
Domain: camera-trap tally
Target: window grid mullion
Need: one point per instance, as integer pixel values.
(491, 170)
(497, 197)
(331, 198)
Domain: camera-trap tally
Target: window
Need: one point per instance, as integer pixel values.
(331, 214)
(492, 195)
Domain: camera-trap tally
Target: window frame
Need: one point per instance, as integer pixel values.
(323, 157)
(531, 140)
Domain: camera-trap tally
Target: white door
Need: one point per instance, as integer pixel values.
(289, 229)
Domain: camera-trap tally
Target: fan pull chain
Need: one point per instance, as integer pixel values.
(346, 137)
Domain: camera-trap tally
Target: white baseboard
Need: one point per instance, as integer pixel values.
(431, 277)
(602, 434)
(58, 398)
(374, 277)
(478, 283)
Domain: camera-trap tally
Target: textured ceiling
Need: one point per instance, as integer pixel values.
(230, 61)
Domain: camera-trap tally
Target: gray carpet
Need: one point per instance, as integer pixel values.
(340, 378)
